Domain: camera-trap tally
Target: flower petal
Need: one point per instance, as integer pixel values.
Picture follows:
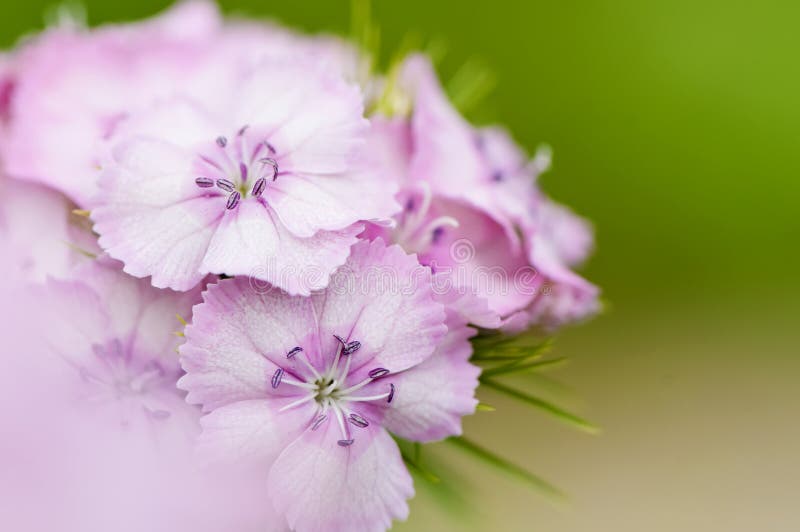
(432, 397)
(251, 241)
(251, 432)
(238, 338)
(151, 215)
(320, 485)
(382, 298)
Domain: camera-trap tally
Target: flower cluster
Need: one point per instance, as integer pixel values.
(331, 240)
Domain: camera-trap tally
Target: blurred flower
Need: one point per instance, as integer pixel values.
(306, 388)
(40, 233)
(473, 211)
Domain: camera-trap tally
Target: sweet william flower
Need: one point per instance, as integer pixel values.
(266, 181)
(305, 389)
(112, 340)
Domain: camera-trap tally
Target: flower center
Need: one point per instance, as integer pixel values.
(238, 169)
(334, 398)
(417, 230)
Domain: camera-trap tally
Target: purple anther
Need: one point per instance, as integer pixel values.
(204, 182)
(377, 373)
(294, 351)
(242, 130)
(319, 421)
(225, 185)
(391, 393)
(222, 141)
(273, 163)
(351, 347)
(341, 341)
(269, 146)
(259, 187)
(345, 443)
(243, 171)
(410, 204)
(233, 200)
(498, 176)
(358, 421)
(437, 234)
(276, 377)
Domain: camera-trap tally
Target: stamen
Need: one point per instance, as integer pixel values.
(319, 421)
(437, 235)
(243, 171)
(362, 399)
(294, 351)
(391, 393)
(342, 426)
(225, 185)
(272, 162)
(352, 347)
(377, 373)
(300, 401)
(259, 187)
(204, 182)
(222, 141)
(276, 378)
(298, 384)
(345, 443)
(358, 421)
(498, 176)
(233, 200)
(242, 130)
(269, 146)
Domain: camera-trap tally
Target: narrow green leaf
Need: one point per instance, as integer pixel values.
(521, 368)
(509, 468)
(550, 408)
(483, 407)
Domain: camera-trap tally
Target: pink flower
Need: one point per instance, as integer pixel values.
(556, 240)
(73, 87)
(306, 388)
(265, 181)
(114, 337)
(474, 214)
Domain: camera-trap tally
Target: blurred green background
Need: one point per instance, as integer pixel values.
(676, 129)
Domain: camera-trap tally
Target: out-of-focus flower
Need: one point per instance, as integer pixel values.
(87, 377)
(73, 86)
(40, 234)
(265, 181)
(472, 209)
(112, 338)
(305, 388)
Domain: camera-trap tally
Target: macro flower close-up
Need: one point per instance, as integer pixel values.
(359, 266)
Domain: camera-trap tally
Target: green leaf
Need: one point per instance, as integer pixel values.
(509, 468)
(516, 367)
(550, 408)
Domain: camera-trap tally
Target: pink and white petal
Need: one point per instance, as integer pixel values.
(319, 485)
(238, 338)
(382, 298)
(252, 241)
(178, 121)
(151, 216)
(143, 315)
(316, 118)
(252, 433)
(432, 397)
(307, 203)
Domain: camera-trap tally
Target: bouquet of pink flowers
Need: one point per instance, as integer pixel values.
(249, 272)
